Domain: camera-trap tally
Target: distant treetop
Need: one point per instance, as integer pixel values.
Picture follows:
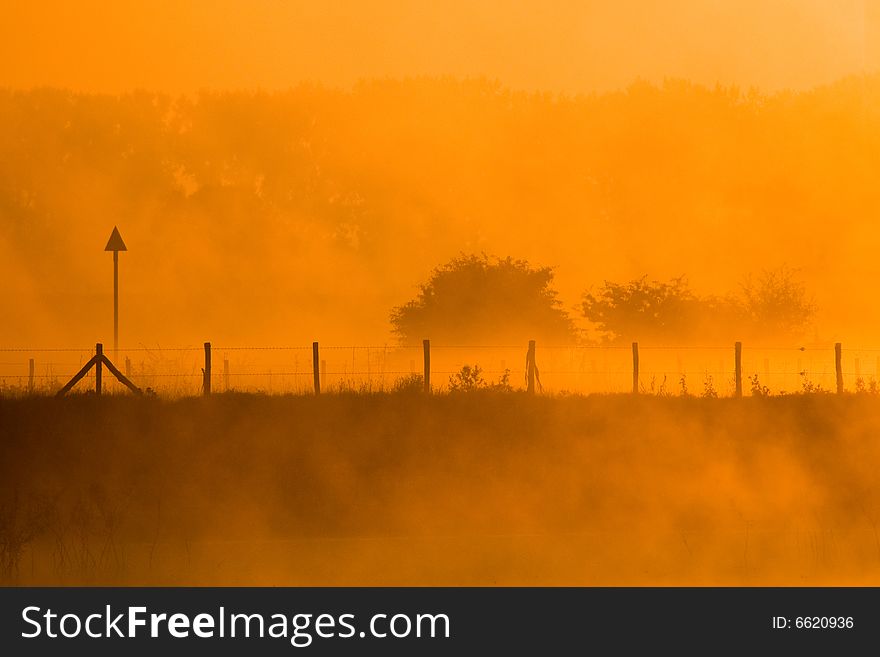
(771, 306)
(478, 299)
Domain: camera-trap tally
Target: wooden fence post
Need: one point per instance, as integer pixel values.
(316, 369)
(635, 347)
(530, 367)
(206, 383)
(738, 368)
(426, 348)
(128, 367)
(838, 366)
(31, 376)
(99, 364)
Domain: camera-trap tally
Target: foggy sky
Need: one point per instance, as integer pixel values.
(374, 186)
(559, 46)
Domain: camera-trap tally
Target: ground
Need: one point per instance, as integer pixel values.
(477, 488)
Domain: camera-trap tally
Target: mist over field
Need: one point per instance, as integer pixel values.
(284, 217)
(466, 489)
(580, 283)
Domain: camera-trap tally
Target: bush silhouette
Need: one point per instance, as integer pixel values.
(477, 299)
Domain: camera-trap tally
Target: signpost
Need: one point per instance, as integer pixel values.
(116, 245)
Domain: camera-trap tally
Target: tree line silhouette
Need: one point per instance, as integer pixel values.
(313, 186)
(480, 299)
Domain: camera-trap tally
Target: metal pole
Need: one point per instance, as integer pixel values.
(116, 305)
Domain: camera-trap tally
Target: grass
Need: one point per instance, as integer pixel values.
(482, 487)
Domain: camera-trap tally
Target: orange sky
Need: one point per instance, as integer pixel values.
(563, 45)
(375, 187)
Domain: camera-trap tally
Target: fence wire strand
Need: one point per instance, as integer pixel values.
(179, 370)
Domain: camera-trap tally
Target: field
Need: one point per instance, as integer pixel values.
(477, 488)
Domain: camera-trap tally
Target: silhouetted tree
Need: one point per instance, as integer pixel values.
(478, 299)
(771, 306)
(654, 311)
(777, 304)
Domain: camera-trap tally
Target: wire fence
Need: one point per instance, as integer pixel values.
(662, 370)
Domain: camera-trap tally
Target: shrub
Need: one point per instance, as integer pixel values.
(467, 379)
(758, 390)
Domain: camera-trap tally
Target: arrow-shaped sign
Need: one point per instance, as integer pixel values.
(115, 242)
(116, 245)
